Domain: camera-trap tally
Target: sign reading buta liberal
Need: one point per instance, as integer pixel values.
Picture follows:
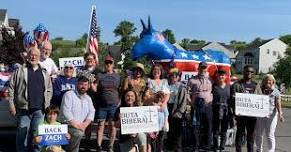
(53, 134)
(76, 61)
(252, 105)
(139, 119)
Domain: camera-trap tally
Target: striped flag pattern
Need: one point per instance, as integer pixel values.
(92, 41)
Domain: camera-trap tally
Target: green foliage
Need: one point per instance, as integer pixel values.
(198, 42)
(66, 52)
(238, 45)
(62, 44)
(169, 35)
(185, 43)
(125, 31)
(59, 38)
(286, 39)
(282, 70)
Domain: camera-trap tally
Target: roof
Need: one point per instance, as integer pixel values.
(13, 22)
(178, 46)
(3, 13)
(194, 47)
(115, 51)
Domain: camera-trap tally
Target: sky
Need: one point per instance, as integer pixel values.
(210, 20)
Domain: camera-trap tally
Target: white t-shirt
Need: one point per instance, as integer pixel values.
(50, 66)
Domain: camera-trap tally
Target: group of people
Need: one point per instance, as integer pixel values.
(41, 94)
(213, 105)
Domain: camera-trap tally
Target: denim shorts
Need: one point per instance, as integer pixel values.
(106, 113)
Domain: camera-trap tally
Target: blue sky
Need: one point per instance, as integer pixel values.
(210, 20)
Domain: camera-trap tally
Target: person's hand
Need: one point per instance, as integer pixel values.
(93, 86)
(281, 117)
(68, 136)
(12, 110)
(75, 124)
(133, 135)
(37, 139)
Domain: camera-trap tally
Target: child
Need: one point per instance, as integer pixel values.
(163, 113)
(51, 113)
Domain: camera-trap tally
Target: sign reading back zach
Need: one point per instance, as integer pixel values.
(139, 119)
(252, 105)
(53, 134)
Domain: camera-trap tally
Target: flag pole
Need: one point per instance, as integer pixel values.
(89, 33)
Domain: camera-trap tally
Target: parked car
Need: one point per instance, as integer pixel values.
(6, 119)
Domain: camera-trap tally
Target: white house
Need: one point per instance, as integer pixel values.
(4, 18)
(222, 47)
(262, 57)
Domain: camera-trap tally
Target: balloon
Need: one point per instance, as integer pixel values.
(41, 34)
(28, 41)
(153, 44)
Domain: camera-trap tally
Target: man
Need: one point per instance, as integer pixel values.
(108, 85)
(78, 111)
(246, 85)
(30, 91)
(46, 61)
(90, 70)
(201, 100)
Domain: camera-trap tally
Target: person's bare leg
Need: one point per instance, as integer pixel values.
(143, 148)
(112, 133)
(100, 131)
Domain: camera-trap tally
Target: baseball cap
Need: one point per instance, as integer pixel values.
(108, 58)
(221, 72)
(68, 64)
(203, 64)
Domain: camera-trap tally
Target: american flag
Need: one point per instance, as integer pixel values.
(92, 41)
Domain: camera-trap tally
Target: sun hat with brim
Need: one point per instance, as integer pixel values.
(139, 65)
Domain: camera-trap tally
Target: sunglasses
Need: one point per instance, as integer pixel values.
(68, 67)
(108, 62)
(249, 71)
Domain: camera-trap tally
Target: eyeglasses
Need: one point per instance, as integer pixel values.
(68, 67)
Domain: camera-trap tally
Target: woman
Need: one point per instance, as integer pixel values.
(64, 82)
(156, 83)
(136, 82)
(221, 99)
(126, 142)
(268, 124)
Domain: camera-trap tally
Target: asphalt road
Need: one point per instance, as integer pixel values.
(283, 138)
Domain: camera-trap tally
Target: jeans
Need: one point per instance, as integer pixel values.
(243, 123)
(27, 125)
(220, 127)
(74, 143)
(269, 126)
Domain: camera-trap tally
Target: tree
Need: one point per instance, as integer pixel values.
(169, 35)
(286, 39)
(257, 42)
(238, 45)
(185, 43)
(125, 31)
(11, 46)
(282, 69)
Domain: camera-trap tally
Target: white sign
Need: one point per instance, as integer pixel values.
(53, 134)
(76, 61)
(139, 119)
(252, 105)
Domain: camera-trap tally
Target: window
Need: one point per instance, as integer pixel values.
(248, 60)
(274, 53)
(268, 51)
